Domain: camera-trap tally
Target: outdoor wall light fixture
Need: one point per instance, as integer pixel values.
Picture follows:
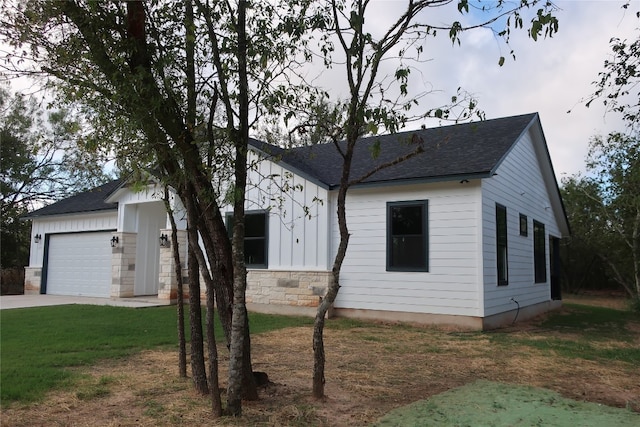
(114, 241)
(37, 238)
(164, 241)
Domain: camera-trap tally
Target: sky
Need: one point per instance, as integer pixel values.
(550, 76)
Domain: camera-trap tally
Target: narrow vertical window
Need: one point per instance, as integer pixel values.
(524, 225)
(501, 245)
(407, 236)
(539, 253)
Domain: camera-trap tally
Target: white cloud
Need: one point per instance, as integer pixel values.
(550, 76)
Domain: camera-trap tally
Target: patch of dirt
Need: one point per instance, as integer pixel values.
(370, 371)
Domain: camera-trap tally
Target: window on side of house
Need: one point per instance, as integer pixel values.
(255, 238)
(407, 236)
(524, 225)
(539, 253)
(501, 245)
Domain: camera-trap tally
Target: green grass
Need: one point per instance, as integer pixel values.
(37, 344)
(580, 332)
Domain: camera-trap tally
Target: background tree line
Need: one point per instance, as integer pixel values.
(603, 205)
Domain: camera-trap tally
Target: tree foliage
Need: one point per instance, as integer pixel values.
(582, 268)
(42, 161)
(615, 163)
(604, 211)
(619, 82)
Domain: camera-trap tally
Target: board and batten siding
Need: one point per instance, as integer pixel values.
(129, 201)
(452, 284)
(298, 229)
(519, 186)
(68, 224)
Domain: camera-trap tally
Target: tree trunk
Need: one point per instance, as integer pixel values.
(240, 384)
(214, 387)
(198, 370)
(334, 287)
(182, 352)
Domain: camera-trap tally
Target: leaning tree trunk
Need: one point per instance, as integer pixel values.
(334, 286)
(182, 345)
(198, 370)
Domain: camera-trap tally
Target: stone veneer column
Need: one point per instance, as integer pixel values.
(32, 280)
(123, 265)
(168, 280)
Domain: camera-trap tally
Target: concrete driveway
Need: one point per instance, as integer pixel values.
(24, 301)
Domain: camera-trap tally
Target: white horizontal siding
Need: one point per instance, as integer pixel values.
(451, 286)
(519, 186)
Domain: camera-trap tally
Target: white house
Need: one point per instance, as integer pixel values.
(465, 233)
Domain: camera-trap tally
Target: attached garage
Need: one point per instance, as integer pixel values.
(78, 264)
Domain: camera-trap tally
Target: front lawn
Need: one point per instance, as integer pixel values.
(37, 344)
(582, 353)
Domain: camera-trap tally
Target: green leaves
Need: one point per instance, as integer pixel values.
(463, 5)
(454, 32)
(544, 21)
(617, 81)
(402, 75)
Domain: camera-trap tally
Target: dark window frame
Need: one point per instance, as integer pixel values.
(539, 252)
(524, 225)
(229, 224)
(392, 264)
(502, 245)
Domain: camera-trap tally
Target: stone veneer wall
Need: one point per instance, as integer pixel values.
(287, 288)
(123, 265)
(32, 280)
(168, 281)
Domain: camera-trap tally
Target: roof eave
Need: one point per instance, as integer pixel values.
(66, 214)
(425, 180)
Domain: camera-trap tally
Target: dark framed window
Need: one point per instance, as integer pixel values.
(407, 236)
(255, 238)
(501, 245)
(539, 252)
(524, 225)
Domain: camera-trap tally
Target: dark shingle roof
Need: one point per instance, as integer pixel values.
(450, 152)
(89, 201)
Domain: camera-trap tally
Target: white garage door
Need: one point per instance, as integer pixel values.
(79, 264)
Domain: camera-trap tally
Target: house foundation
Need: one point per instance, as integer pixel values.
(285, 291)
